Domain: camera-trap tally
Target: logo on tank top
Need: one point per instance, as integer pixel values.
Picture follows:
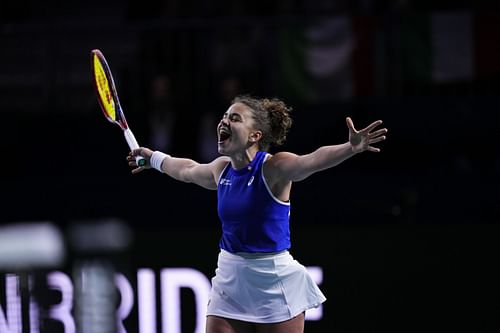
(250, 181)
(225, 182)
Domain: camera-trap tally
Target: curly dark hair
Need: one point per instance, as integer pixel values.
(272, 118)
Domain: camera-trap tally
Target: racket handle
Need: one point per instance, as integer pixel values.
(132, 143)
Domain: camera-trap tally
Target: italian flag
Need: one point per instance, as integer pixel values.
(334, 58)
(437, 47)
(316, 60)
(346, 57)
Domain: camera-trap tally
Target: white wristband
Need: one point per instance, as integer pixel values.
(157, 159)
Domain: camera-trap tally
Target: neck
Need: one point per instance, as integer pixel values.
(242, 160)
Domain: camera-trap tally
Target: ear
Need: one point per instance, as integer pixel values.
(255, 136)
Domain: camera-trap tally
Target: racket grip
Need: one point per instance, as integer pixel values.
(132, 143)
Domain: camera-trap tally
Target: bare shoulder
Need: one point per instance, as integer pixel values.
(221, 161)
(282, 157)
(218, 165)
(276, 165)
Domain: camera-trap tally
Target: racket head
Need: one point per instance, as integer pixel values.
(106, 90)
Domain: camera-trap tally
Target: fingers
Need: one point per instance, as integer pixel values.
(132, 162)
(365, 137)
(377, 139)
(350, 124)
(373, 149)
(369, 128)
(142, 151)
(372, 126)
(378, 133)
(137, 170)
(136, 152)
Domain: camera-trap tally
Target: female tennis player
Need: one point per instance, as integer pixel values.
(258, 286)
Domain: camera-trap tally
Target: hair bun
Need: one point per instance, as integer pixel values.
(280, 121)
(272, 117)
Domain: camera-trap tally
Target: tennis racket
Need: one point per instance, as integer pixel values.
(108, 99)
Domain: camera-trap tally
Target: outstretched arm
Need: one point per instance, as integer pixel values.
(183, 169)
(291, 167)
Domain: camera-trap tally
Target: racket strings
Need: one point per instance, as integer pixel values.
(104, 89)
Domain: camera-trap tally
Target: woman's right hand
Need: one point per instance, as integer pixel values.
(143, 152)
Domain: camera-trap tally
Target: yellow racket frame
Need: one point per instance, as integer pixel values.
(104, 89)
(108, 99)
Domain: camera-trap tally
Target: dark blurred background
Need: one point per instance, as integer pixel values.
(427, 205)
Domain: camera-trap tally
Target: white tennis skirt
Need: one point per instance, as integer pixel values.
(261, 288)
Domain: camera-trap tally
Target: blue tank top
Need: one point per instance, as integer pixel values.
(253, 220)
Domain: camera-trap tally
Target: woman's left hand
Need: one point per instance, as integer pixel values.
(363, 139)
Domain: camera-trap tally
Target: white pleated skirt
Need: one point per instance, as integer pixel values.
(261, 288)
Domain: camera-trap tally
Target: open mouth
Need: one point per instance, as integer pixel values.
(224, 134)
